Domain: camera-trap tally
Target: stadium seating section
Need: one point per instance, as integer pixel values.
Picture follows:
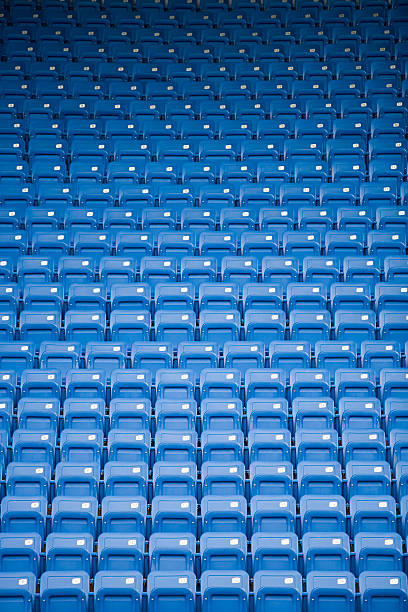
(203, 305)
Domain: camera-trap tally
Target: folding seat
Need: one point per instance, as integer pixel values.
(8, 322)
(40, 219)
(264, 325)
(26, 480)
(82, 326)
(354, 325)
(174, 479)
(174, 385)
(123, 514)
(81, 295)
(386, 588)
(81, 446)
(383, 171)
(176, 446)
(221, 415)
(301, 244)
(9, 293)
(115, 269)
(287, 355)
(14, 174)
(169, 552)
(197, 355)
(280, 270)
(175, 244)
(328, 554)
(323, 513)
(145, 355)
(220, 479)
(105, 356)
(333, 355)
(174, 296)
(174, 514)
(383, 243)
(124, 172)
(349, 383)
(176, 199)
(305, 296)
(119, 476)
(398, 444)
(229, 586)
(359, 413)
(262, 414)
(66, 552)
(272, 479)
(13, 245)
(80, 219)
(262, 296)
(225, 514)
(222, 445)
(118, 552)
(269, 170)
(19, 553)
(129, 326)
(393, 383)
(280, 587)
(273, 514)
(34, 446)
(126, 445)
(374, 195)
(18, 590)
(113, 588)
(307, 383)
(319, 478)
(167, 589)
(16, 357)
(73, 269)
(393, 325)
(395, 415)
(134, 244)
(316, 445)
(372, 514)
(368, 478)
(265, 446)
(38, 413)
(264, 383)
(363, 445)
(390, 296)
(57, 587)
(155, 270)
(218, 326)
(36, 383)
(84, 414)
(36, 327)
(239, 269)
(338, 587)
(382, 552)
(309, 326)
(24, 514)
(223, 552)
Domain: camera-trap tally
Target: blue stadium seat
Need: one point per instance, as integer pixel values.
(223, 552)
(19, 553)
(57, 587)
(69, 553)
(225, 587)
(337, 587)
(280, 586)
(167, 589)
(17, 590)
(386, 588)
(113, 588)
